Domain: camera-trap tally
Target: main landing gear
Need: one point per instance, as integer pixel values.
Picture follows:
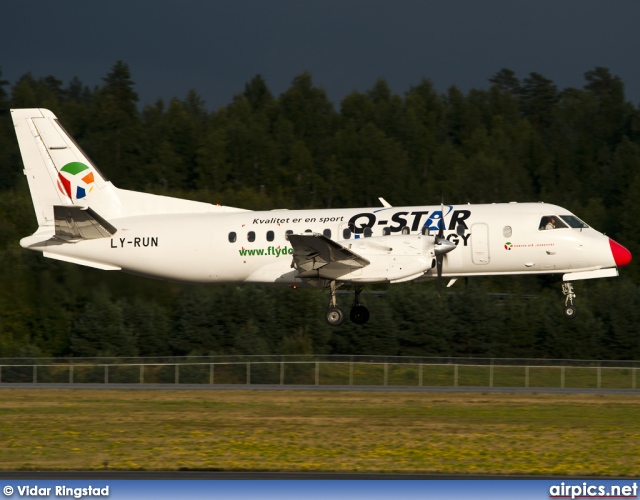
(570, 311)
(334, 314)
(359, 313)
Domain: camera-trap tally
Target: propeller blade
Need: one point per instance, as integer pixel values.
(441, 247)
(441, 221)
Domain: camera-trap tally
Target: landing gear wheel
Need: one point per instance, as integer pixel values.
(570, 311)
(334, 316)
(359, 314)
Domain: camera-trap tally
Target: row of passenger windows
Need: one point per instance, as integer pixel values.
(251, 235)
(346, 234)
(547, 222)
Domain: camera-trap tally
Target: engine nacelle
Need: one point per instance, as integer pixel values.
(392, 259)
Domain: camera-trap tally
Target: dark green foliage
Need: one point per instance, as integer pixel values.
(522, 139)
(150, 325)
(115, 135)
(99, 328)
(506, 80)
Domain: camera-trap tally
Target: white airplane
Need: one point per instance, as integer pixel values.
(84, 219)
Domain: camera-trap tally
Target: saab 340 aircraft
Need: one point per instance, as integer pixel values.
(84, 219)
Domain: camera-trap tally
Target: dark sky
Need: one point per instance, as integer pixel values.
(216, 46)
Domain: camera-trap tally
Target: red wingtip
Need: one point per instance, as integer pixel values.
(621, 255)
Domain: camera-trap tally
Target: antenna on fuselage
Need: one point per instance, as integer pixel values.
(384, 202)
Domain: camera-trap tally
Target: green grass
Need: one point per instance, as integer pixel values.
(321, 431)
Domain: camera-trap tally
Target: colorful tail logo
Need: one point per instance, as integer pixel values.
(74, 181)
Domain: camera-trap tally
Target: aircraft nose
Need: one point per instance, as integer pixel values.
(621, 255)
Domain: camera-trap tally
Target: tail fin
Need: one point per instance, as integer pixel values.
(60, 174)
(58, 171)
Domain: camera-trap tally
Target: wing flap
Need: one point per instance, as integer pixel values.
(315, 255)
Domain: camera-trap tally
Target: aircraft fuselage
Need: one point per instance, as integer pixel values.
(253, 246)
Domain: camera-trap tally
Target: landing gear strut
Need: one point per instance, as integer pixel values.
(570, 311)
(334, 314)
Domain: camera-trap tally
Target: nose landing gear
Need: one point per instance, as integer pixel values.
(570, 311)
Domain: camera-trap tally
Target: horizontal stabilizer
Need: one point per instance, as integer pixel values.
(82, 262)
(79, 223)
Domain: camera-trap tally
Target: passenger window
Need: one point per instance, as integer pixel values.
(386, 231)
(308, 231)
(346, 233)
(232, 237)
(270, 236)
(251, 236)
(327, 233)
(405, 230)
(287, 233)
(506, 231)
(368, 232)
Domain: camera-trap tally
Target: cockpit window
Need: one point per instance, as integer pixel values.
(551, 222)
(574, 222)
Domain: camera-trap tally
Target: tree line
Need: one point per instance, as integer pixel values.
(521, 139)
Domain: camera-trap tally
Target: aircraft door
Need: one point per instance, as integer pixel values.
(480, 244)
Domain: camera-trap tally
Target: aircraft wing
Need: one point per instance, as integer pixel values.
(316, 256)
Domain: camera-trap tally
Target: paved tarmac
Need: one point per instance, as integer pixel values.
(222, 475)
(352, 388)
